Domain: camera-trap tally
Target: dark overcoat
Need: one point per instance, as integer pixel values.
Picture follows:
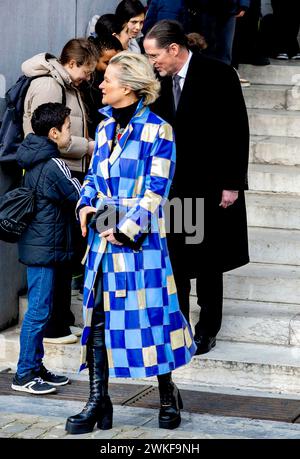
(212, 140)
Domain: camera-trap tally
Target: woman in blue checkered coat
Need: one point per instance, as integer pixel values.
(133, 324)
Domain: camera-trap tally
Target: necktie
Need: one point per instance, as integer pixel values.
(176, 89)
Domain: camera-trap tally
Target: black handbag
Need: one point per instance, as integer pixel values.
(108, 216)
(16, 211)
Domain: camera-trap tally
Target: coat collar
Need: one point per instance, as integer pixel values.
(140, 110)
(106, 136)
(110, 121)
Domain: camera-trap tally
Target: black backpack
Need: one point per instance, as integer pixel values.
(11, 130)
(17, 208)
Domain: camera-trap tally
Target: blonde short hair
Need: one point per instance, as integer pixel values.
(138, 75)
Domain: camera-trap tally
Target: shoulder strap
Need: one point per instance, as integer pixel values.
(39, 176)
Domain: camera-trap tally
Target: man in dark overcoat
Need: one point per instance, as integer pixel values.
(210, 120)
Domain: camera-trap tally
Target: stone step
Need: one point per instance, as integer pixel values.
(278, 73)
(276, 246)
(274, 97)
(256, 322)
(262, 367)
(269, 283)
(284, 151)
(274, 178)
(274, 122)
(76, 308)
(273, 210)
(59, 357)
(247, 301)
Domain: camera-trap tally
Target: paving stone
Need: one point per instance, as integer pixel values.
(107, 434)
(6, 434)
(137, 433)
(30, 433)
(155, 433)
(125, 428)
(15, 427)
(46, 425)
(7, 419)
(55, 432)
(51, 435)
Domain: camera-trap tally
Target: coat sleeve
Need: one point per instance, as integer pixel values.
(88, 191)
(233, 132)
(159, 172)
(44, 90)
(244, 4)
(60, 186)
(41, 91)
(77, 149)
(151, 16)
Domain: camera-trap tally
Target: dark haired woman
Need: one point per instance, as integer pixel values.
(132, 12)
(109, 24)
(107, 46)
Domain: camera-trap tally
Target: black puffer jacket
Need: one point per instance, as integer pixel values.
(48, 238)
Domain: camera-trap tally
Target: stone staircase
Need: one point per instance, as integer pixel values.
(259, 343)
(258, 346)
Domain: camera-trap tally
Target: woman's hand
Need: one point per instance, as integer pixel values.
(109, 236)
(83, 214)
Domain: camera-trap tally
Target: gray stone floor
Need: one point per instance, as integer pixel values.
(38, 418)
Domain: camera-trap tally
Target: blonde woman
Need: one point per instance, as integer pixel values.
(133, 324)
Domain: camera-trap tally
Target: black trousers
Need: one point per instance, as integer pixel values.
(209, 289)
(98, 312)
(287, 23)
(248, 41)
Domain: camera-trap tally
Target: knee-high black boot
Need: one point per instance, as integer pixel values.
(99, 407)
(170, 402)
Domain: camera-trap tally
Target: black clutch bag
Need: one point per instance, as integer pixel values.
(105, 218)
(108, 216)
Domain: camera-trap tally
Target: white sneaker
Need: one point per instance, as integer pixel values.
(296, 57)
(245, 83)
(69, 339)
(282, 56)
(34, 386)
(77, 331)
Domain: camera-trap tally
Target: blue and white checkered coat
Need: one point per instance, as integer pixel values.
(145, 332)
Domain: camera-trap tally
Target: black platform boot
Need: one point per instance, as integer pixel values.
(170, 402)
(99, 407)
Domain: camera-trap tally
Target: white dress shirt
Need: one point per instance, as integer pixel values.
(182, 72)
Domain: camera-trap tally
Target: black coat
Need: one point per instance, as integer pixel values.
(48, 238)
(212, 141)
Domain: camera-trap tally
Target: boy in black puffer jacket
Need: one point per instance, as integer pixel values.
(46, 244)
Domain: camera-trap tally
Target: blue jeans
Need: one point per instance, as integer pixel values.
(40, 281)
(219, 34)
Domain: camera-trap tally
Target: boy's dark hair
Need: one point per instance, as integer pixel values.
(166, 32)
(106, 42)
(128, 9)
(48, 116)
